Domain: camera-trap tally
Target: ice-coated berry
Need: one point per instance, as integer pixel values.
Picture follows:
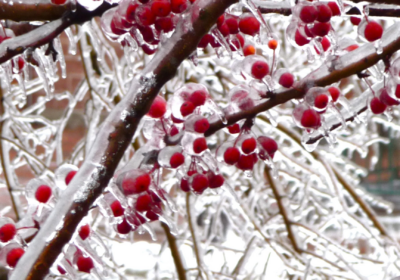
(173, 131)
(7, 232)
(158, 108)
(272, 44)
(233, 25)
(185, 185)
(164, 24)
(249, 145)
(246, 162)
(200, 145)
(145, 16)
(179, 6)
(249, 50)
(84, 264)
(58, 2)
(249, 25)
(325, 45)
(187, 108)
(355, 20)
(61, 270)
(387, 99)
(176, 160)
(224, 29)
(335, 93)
(321, 101)
(234, 129)
(136, 185)
(231, 155)
(152, 216)
(117, 208)
(201, 125)
(308, 14)
(144, 203)
(70, 176)
(161, 8)
(215, 180)
(397, 92)
(199, 183)
(269, 145)
(321, 29)
(324, 13)
(205, 40)
(377, 107)
(300, 39)
(198, 98)
(124, 227)
(310, 119)
(334, 8)
(84, 232)
(43, 193)
(13, 256)
(286, 80)
(260, 69)
(373, 31)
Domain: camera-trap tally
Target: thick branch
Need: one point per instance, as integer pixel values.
(41, 10)
(113, 139)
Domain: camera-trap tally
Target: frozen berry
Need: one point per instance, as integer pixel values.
(310, 119)
(148, 50)
(325, 45)
(161, 8)
(260, 69)
(355, 20)
(145, 16)
(84, 264)
(205, 41)
(334, 8)
(176, 160)
(387, 99)
(187, 108)
(84, 232)
(269, 145)
(245, 162)
(377, 107)
(7, 232)
(179, 6)
(58, 2)
(321, 29)
(124, 227)
(144, 203)
(224, 29)
(249, 145)
(286, 80)
(43, 193)
(351, 48)
(233, 25)
(234, 129)
(215, 181)
(272, 44)
(61, 270)
(158, 108)
(335, 93)
(231, 155)
(201, 125)
(373, 31)
(152, 215)
(397, 92)
(136, 185)
(199, 183)
(249, 25)
(198, 98)
(300, 39)
(240, 39)
(308, 14)
(321, 101)
(164, 24)
(117, 208)
(13, 256)
(324, 13)
(130, 11)
(249, 50)
(70, 176)
(173, 131)
(200, 145)
(184, 185)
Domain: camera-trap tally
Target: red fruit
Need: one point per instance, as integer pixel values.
(351, 48)
(234, 45)
(84, 264)
(70, 176)
(147, 34)
(397, 93)
(61, 270)
(246, 162)
(325, 45)
(205, 41)
(335, 93)
(272, 44)
(144, 203)
(321, 29)
(117, 208)
(233, 25)
(124, 227)
(249, 25)
(260, 69)
(158, 108)
(185, 185)
(300, 39)
(152, 216)
(310, 119)
(136, 185)
(176, 160)
(220, 20)
(373, 31)
(321, 101)
(200, 145)
(187, 108)
(164, 24)
(21, 64)
(144, 16)
(161, 8)
(84, 232)
(198, 97)
(387, 99)
(58, 2)
(199, 183)
(215, 181)
(308, 32)
(324, 13)
(224, 29)
(286, 80)
(116, 28)
(249, 145)
(377, 107)
(201, 125)
(7, 232)
(147, 50)
(176, 120)
(231, 155)
(269, 145)
(249, 50)
(130, 11)
(178, 6)
(43, 193)
(174, 131)
(308, 14)
(355, 20)
(241, 39)
(234, 129)
(13, 256)
(334, 8)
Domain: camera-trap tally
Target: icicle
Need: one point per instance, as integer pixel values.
(150, 231)
(72, 43)
(41, 72)
(60, 57)
(221, 39)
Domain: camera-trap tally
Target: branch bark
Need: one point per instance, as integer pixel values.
(41, 10)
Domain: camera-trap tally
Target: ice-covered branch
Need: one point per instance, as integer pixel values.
(113, 139)
(30, 10)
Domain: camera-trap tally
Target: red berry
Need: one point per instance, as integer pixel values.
(147, 50)
(176, 120)
(286, 80)
(233, 25)
(117, 208)
(136, 185)
(158, 108)
(84, 232)
(249, 25)
(355, 20)
(152, 216)
(201, 125)
(215, 181)
(334, 8)
(13, 256)
(351, 48)
(144, 16)
(84, 264)
(70, 176)
(300, 39)
(58, 2)
(377, 107)
(335, 93)
(124, 227)
(199, 183)
(148, 35)
(310, 119)
(260, 69)
(397, 93)
(249, 50)
(224, 29)
(161, 8)
(198, 97)
(173, 131)
(21, 64)
(144, 203)
(185, 185)
(324, 13)
(178, 6)
(269, 145)
(249, 145)
(308, 14)
(176, 160)
(205, 41)
(321, 29)
(234, 129)
(387, 99)
(373, 31)
(7, 232)
(130, 11)
(325, 45)
(321, 101)
(187, 108)
(61, 270)
(200, 145)
(43, 193)
(245, 162)
(241, 39)
(231, 155)
(164, 24)
(272, 44)
(116, 28)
